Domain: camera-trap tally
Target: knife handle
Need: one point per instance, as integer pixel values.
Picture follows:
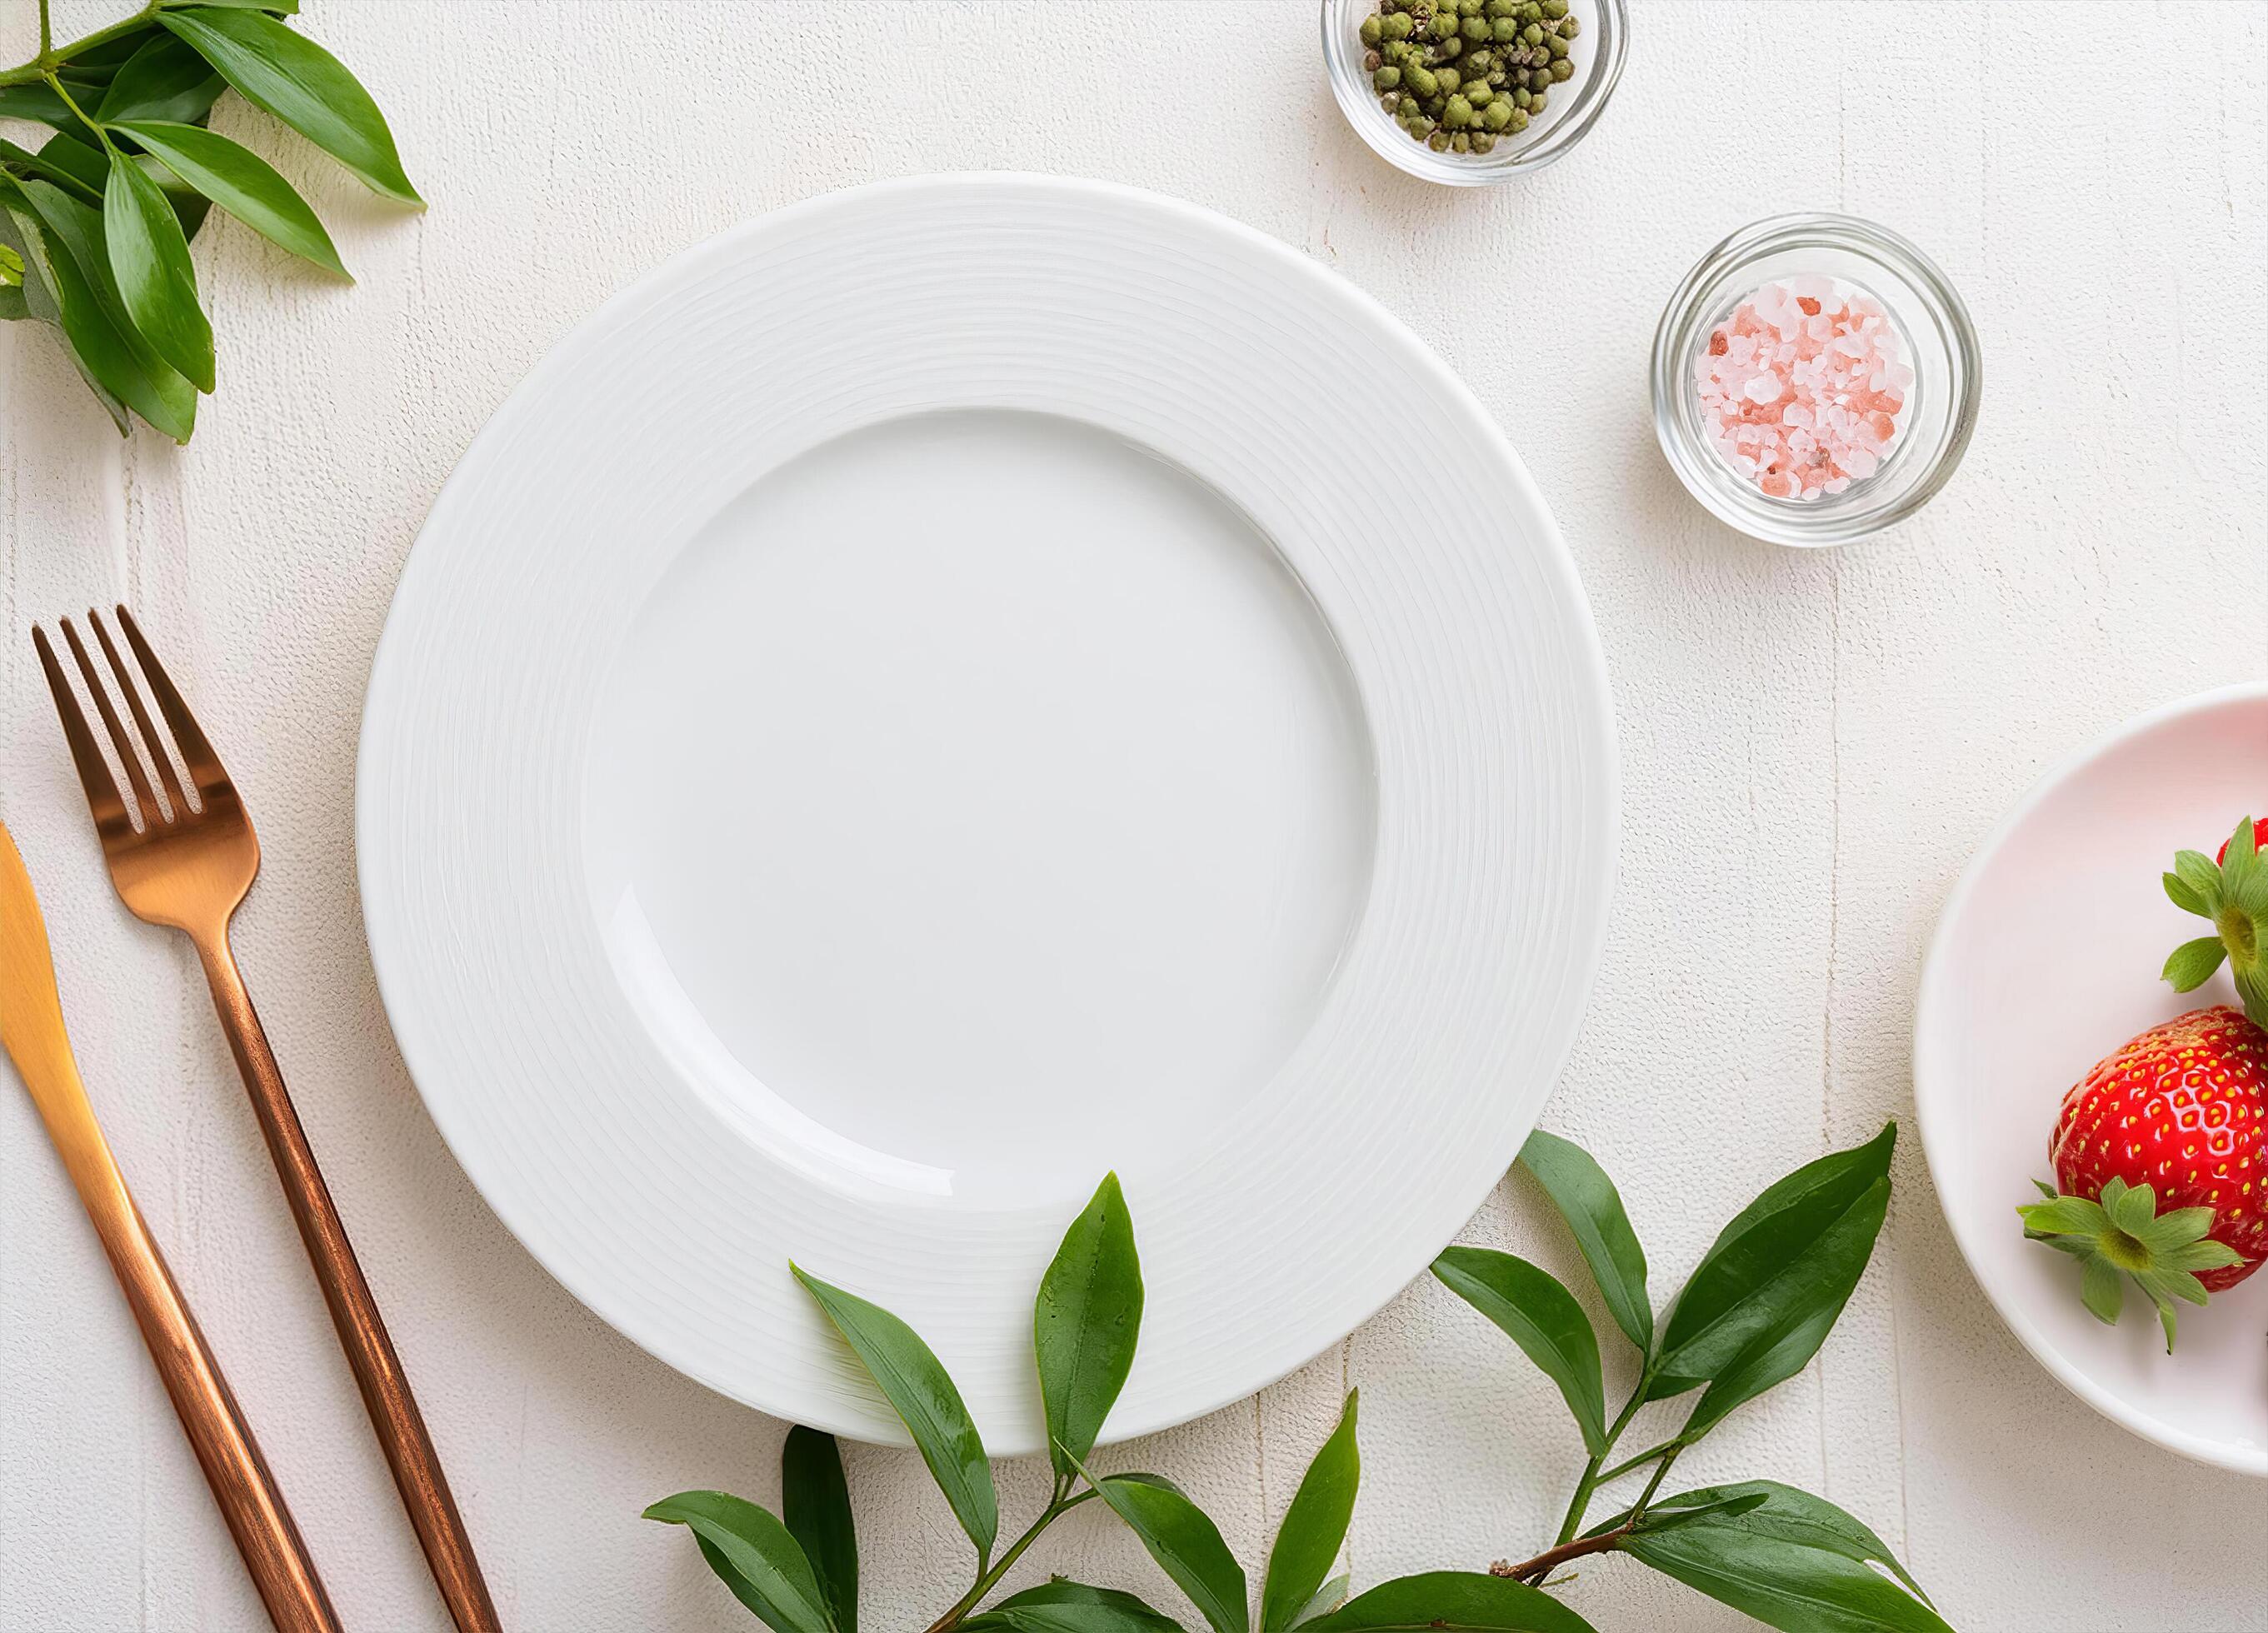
(265, 1534)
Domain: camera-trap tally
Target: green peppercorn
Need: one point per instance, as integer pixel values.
(1448, 78)
(1477, 62)
(1372, 30)
(1555, 9)
(1532, 35)
(1518, 121)
(1557, 47)
(1569, 27)
(1448, 50)
(1439, 140)
(1468, 7)
(1478, 94)
(1443, 23)
(1385, 79)
(1505, 30)
(1461, 143)
(1523, 98)
(1538, 78)
(1496, 79)
(1421, 79)
(1483, 142)
(1501, 8)
(1458, 114)
(1563, 69)
(1532, 12)
(1477, 29)
(1497, 114)
(1536, 102)
(1398, 26)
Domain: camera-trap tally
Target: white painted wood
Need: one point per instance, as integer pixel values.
(1812, 745)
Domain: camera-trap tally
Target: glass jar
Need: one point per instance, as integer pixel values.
(1939, 342)
(1569, 109)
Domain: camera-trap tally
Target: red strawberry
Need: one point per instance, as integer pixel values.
(2177, 1117)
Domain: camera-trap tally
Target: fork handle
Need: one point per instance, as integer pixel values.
(262, 1526)
(378, 1371)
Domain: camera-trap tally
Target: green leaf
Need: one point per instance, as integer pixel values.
(2198, 870)
(1587, 1200)
(64, 176)
(150, 258)
(1085, 1324)
(282, 8)
(1795, 1561)
(1328, 1598)
(2182, 897)
(242, 183)
(110, 352)
(2239, 860)
(13, 307)
(1542, 1318)
(914, 1382)
(815, 1503)
(2192, 963)
(1453, 1600)
(1184, 1542)
(1800, 1309)
(90, 166)
(1757, 1267)
(753, 1555)
(1063, 1607)
(1666, 1517)
(39, 104)
(165, 79)
(1315, 1525)
(302, 84)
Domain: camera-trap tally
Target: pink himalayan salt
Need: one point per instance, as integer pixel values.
(1803, 388)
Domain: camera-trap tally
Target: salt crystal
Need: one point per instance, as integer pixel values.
(1802, 390)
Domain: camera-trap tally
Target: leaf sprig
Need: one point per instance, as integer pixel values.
(95, 224)
(1751, 1315)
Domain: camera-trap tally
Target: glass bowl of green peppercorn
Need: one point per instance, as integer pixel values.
(1473, 92)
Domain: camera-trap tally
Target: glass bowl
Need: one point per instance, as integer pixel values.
(1597, 52)
(1940, 343)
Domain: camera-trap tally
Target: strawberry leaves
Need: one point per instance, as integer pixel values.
(2233, 893)
(2122, 1237)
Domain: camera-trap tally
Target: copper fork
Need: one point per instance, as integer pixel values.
(187, 864)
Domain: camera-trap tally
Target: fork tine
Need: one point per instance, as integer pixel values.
(160, 761)
(129, 752)
(102, 795)
(205, 769)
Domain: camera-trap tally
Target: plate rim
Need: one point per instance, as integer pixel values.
(1585, 657)
(1936, 1150)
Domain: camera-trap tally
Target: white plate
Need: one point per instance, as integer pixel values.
(957, 687)
(2046, 960)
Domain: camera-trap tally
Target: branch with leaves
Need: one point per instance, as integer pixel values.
(95, 225)
(1751, 1315)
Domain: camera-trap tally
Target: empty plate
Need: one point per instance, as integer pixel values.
(951, 689)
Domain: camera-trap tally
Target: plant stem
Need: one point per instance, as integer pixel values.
(1548, 1561)
(990, 1577)
(1630, 1464)
(1589, 1482)
(50, 55)
(102, 136)
(1638, 1509)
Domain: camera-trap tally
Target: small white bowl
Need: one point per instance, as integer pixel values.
(1597, 52)
(2045, 960)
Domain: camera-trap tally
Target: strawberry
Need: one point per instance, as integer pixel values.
(2177, 1115)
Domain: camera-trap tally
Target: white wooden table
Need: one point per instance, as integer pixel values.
(1812, 744)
